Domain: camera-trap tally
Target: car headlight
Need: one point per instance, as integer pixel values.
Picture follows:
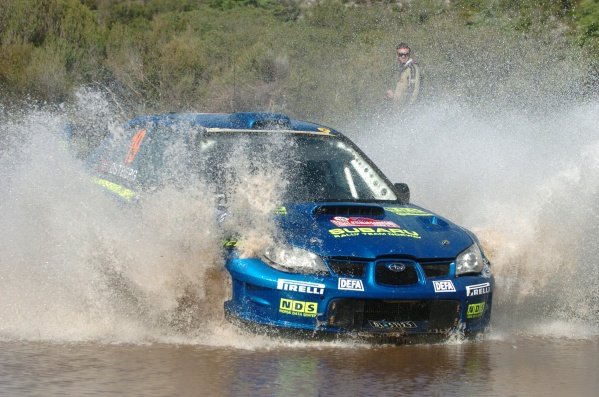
(469, 261)
(294, 260)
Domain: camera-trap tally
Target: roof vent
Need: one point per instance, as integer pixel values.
(260, 121)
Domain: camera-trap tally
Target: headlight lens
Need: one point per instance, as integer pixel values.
(469, 261)
(295, 260)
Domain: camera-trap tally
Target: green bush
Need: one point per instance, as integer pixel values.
(327, 60)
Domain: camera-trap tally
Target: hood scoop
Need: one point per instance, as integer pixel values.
(349, 210)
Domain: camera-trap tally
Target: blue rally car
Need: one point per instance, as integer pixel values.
(351, 255)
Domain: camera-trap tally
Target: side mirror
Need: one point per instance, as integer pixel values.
(403, 192)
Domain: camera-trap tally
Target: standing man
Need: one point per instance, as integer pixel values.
(408, 84)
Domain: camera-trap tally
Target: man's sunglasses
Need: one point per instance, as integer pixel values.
(403, 54)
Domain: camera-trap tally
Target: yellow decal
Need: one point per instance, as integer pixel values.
(372, 231)
(119, 190)
(230, 243)
(298, 308)
(281, 211)
(475, 310)
(324, 130)
(407, 211)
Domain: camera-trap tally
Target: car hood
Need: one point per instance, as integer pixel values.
(369, 231)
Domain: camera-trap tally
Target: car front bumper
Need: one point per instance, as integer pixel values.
(262, 295)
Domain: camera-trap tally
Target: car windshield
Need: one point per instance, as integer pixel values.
(316, 167)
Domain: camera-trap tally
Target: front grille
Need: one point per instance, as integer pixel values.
(396, 273)
(436, 269)
(356, 314)
(347, 268)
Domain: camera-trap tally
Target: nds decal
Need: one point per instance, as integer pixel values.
(341, 221)
(350, 284)
(444, 286)
(475, 310)
(407, 211)
(300, 286)
(478, 289)
(372, 231)
(392, 324)
(298, 308)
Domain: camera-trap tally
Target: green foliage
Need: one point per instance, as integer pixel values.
(323, 60)
(587, 14)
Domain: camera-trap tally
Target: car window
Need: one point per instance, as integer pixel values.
(317, 168)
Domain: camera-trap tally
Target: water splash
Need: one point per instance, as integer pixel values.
(79, 266)
(527, 184)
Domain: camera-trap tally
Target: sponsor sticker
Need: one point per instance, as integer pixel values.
(478, 289)
(350, 284)
(341, 221)
(475, 310)
(372, 231)
(300, 286)
(298, 308)
(392, 324)
(407, 211)
(119, 170)
(444, 286)
(134, 147)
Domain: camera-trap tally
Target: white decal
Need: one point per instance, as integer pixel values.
(350, 284)
(393, 324)
(444, 286)
(300, 286)
(478, 289)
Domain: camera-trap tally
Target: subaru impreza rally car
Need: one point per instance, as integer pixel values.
(351, 254)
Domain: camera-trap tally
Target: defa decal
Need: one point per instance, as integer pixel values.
(372, 231)
(407, 211)
(392, 324)
(298, 308)
(281, 211)
(300, 286)
(341, 221)
(478, 289)
(350, 284)
(134, 146)
(444, 286)
(475, 310)
(324, 130)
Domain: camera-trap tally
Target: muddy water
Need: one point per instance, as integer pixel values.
(96, 299)
(512, 366)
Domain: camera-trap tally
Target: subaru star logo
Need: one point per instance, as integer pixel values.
(396, 267)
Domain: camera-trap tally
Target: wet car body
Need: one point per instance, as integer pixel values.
(351, 256)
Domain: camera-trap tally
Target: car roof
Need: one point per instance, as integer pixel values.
(235, 121)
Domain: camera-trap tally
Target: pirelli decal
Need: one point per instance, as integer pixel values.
(478, 289)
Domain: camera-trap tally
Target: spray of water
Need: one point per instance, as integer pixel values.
(77, 265)
(527, 185)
